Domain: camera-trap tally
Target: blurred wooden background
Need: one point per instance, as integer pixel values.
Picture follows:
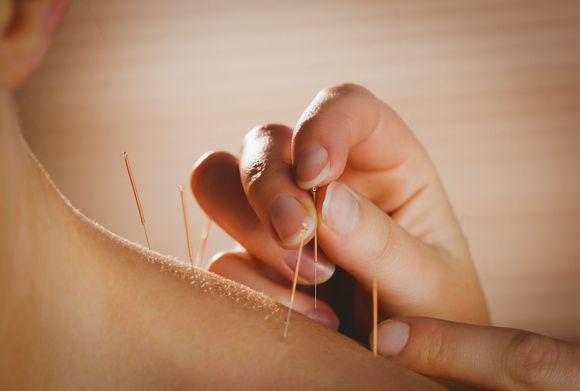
(492, 88)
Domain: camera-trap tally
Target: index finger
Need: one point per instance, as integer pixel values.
(347, 122)
(386, 163)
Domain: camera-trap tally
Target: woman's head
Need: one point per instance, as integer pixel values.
(27, 28)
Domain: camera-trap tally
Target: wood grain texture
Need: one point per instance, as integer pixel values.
(492, 88)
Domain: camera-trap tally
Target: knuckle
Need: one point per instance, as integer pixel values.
(389, 248)
(262, 155)
(436, 353)
(320, 116)
(254, 173)
(252, 134)
(317, 112)
(339, 107)
(531, 359)
(260, 178)
(265, 131)
(344, 89)
(275, 130)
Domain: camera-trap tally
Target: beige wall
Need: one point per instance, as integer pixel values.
(492, 88)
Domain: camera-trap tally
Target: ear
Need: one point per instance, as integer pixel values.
(5, 13)
(27, 28)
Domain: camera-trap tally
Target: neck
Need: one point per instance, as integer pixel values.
(41, 227)
(28, 197)
(36, 222)
(53, 260)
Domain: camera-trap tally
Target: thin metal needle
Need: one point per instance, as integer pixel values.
(186, 223)
(202, 242)
(375, 317)
(315, 254)
(136, 195)
(146, 237)
(295, 280)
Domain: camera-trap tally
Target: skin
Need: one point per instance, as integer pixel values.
(405, 234)
(484, 357)
(81, 308)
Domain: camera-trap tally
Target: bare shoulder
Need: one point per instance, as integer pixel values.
(192, 329)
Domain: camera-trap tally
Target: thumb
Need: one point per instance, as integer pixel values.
(487, 357)
(367, 243)
(412, 275)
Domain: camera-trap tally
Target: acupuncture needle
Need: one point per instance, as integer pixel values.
(375, 317)
(186, 223)
(295, 280)
(202, 242)
(136, 195)
(315, 254)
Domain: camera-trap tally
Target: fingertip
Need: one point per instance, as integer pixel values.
(312, 166)
(392, 336)
(340, 209)
(220, 262)
(216, 261)
(207, 171)
(210, 160)
(337, 118)
(324, 316)
(293, 219)
(201, 163)
(303, 234)
(311, 270)
(319, 180)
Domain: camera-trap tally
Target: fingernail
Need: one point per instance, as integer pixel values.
(392, 337)
(340, 210)
(323, 269)
(288, 216)
(312, 166)
(325, 317)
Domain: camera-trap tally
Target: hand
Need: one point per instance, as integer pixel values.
(486, 357)
(381, 209)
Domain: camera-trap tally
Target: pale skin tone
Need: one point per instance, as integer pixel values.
(382, 213)
(81, 308)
